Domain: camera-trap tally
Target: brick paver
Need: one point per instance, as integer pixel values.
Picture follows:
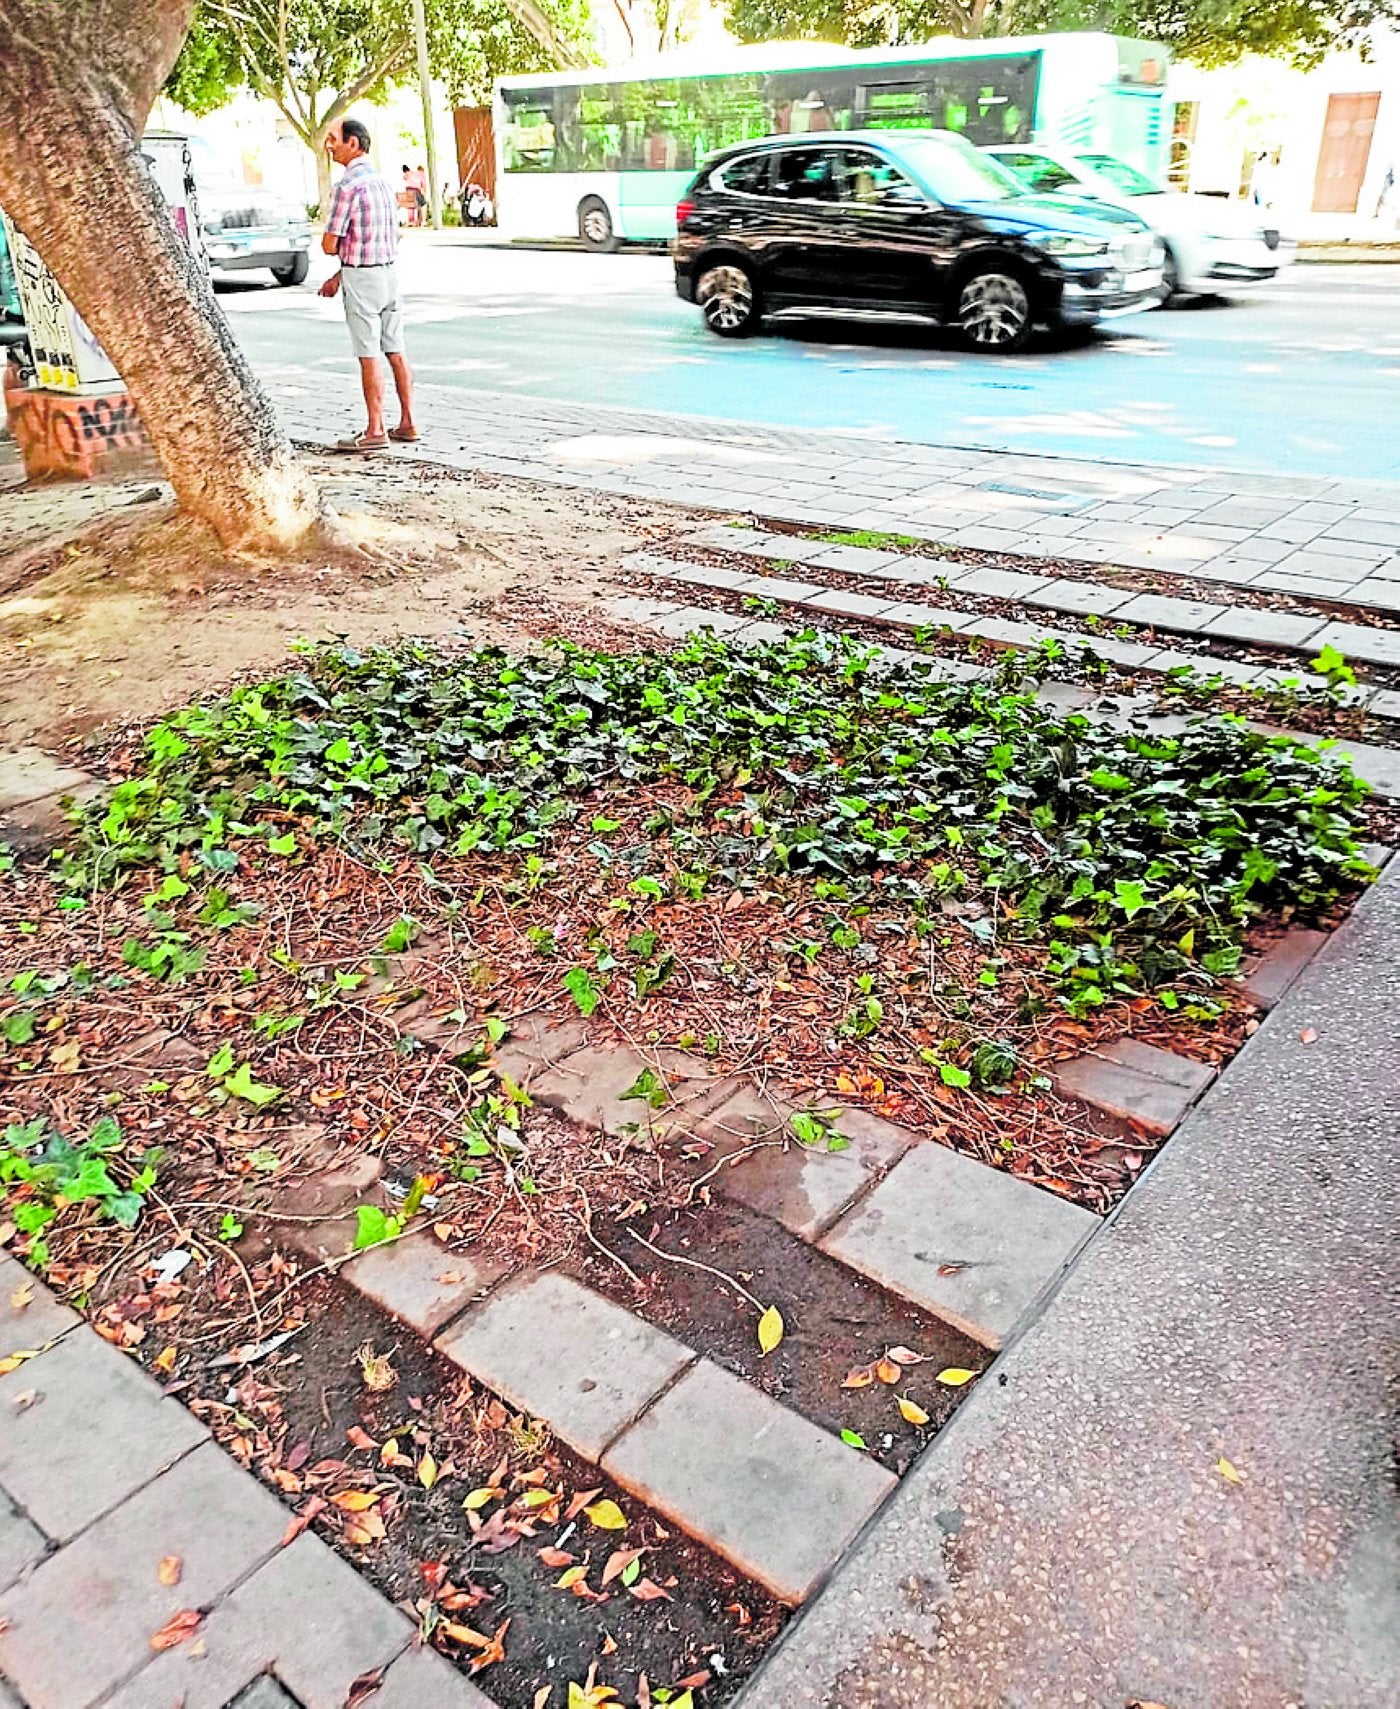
(1281, 964)
(1135, 1082)
(420, 1282)
(974, 1246)
(306, 1616)
(29, 1314)
(421, 1679)
(804, 1188)
(62, 1470)
(209, 1513)
(564, 1354)
(264, 1693)
(588, 1086)
(760, 1485)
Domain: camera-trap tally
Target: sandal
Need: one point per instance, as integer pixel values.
(362, 443)
(405, 435)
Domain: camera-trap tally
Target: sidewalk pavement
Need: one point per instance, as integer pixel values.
(1335, 539)
(118, 1513)
(1180, 1488)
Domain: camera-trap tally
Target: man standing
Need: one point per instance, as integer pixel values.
(362, 231)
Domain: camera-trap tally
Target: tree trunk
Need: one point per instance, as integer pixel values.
(72, 177)
(323, 175)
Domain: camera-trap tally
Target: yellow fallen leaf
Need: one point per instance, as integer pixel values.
(169, 1570)
(770, 1329)
(911, 1412)
(887, 1371)
(1231, 1474)
(607, 1515)
(22, 1296)
(571, 1576)
(14, 1360)
(355, 1500)
(954, 1376)
(164, 1361)
(427, 1471)
(538, 1497)
(479, 1497)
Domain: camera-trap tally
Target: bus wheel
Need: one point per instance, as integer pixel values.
(994, 310)
(728, 300)
(595, 226)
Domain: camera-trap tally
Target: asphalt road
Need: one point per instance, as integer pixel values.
(1301, 374)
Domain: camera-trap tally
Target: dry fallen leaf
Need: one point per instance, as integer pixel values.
(365, 1687)
(1231, 1474)
(177, 1629)
(355, 1500)
(647, 1590)
(25, 1399)
(358, 1438)
(607, 1515)
(571, 1576)
(618, 1562)
(770, 1329)
(13, 1361)
(954, 1376)
(911, 1412)
(495, 1651)
(555, 1558)
(887, 1371)
(1308, 1035)
(168, 1572)
(859, 1378)
(22, 1296)
(427, 1471)
(164, 1361)
(906, 1356)
(479, 1497)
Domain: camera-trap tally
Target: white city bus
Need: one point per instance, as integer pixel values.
(605, 156)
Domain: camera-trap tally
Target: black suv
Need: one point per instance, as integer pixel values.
(909, 223)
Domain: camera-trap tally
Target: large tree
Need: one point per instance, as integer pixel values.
(77, 80)
(1211, 32)
(316, 58)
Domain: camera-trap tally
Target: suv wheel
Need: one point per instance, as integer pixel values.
(728, 300)
(994, 310)
(595, 226)
(294, 273)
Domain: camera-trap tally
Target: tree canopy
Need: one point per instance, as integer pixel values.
(1210, 32)
(316, 58)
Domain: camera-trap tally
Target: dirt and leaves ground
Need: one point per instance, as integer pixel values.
(295, 930)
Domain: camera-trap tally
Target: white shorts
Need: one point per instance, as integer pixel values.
(373, 311)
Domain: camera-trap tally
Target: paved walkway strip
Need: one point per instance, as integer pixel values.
(1337, 539)
(1182, 1488)
(1138, 1083)
(101, 1479)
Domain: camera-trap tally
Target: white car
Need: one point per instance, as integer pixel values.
(1213, 246)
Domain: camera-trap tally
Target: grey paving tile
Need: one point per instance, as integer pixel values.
(21, 1543)
(1371, 646)
(29, 774)
(420, 1282)
(779, 587)
(1276, 970)
(755, 1482)
(30, 1314)
(306, 1616)
(982, 538)
(689, 575)
(590, 1087)
(422, 1679)
(804, 1188)
(83, 1620)
(845, 604)
(967, 1242)
(857, 560)
(564, 1354)
(1332, 565)
(1089, 598)
(1368, 531)
(1160, 611)
(787, 548)
(62, 1471)
(690, 620)
(1152, 1089)
(912, 614)
(1264, 627)
(1383, 595)
(996, 584)
(1385, 704)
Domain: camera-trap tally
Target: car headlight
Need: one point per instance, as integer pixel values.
(1064, 243)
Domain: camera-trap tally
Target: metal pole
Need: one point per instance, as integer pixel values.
(420, 30)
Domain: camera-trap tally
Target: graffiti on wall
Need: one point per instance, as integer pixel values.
(76, 438)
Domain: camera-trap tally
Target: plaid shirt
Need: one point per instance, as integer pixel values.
(363, 217)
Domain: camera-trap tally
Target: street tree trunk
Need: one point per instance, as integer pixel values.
(77, 79)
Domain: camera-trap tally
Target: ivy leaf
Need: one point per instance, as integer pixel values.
(286, 845)
(578, 982)
(650, 1088)
(853, 1438)
(951, 1075)
(221, 1062)
(1129, 895)
(241, 1084)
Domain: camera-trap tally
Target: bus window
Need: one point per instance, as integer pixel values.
(529, 135)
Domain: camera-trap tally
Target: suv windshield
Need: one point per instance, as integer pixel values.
(1123, 177)
(957, 172)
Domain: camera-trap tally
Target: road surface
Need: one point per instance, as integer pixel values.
(1301, 375)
